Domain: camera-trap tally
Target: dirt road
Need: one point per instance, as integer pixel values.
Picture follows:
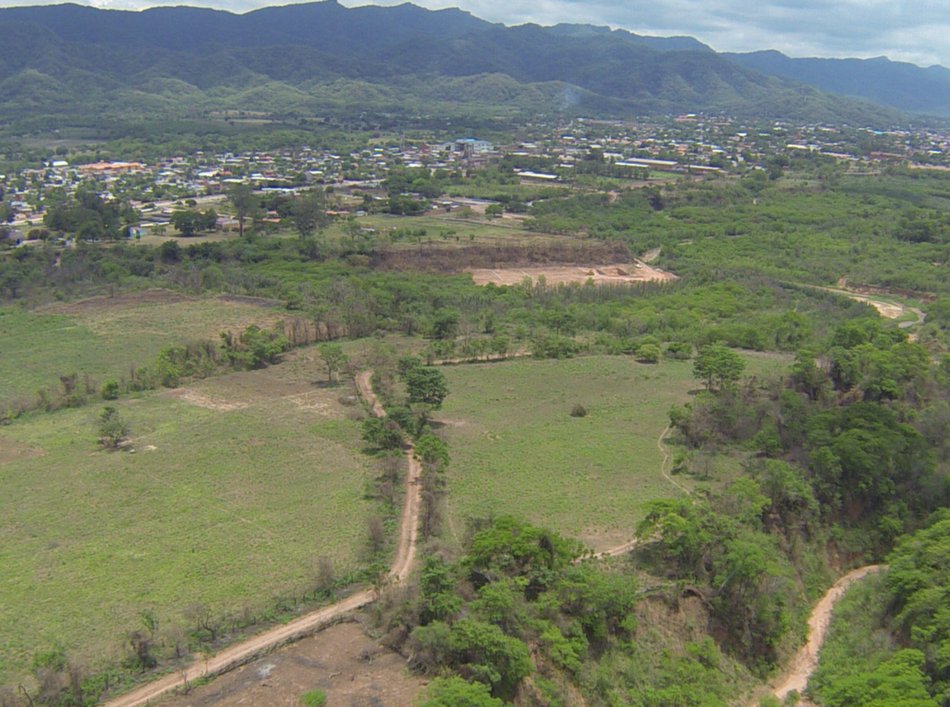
(806, 660)
(240, 653)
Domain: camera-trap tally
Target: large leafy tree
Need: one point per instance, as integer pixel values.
(719, 366)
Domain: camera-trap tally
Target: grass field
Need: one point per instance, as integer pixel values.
(104, 336)
(516, 449)
(236, 487)
(457, 231)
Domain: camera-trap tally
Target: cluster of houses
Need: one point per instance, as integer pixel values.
(688, 144)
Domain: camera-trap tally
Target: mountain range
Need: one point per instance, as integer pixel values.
(64, 61)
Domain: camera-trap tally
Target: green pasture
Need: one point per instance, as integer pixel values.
(517, 450)
(235, 488)
(450, 229)
(105, 337)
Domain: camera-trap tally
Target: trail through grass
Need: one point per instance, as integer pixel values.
(224, 508)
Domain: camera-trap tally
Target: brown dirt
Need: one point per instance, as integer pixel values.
(122, 299)
(104, 314)
(341, 660)
(616, 273)
(241, 653)
(11, 451)
(202, 400)
(806, 660)
(300, 380)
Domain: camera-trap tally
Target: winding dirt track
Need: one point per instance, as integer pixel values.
(806, 660)
(240, 653)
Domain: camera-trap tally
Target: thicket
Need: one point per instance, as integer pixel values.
(835, 467)
(890, 636)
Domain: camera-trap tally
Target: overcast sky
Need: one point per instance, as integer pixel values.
(903, 30)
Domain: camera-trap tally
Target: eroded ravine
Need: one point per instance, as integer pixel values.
(806, 660)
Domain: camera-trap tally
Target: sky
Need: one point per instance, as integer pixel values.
(903, 30)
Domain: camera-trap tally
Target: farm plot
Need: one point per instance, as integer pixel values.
(224, 505)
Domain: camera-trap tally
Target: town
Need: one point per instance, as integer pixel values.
(687, 146)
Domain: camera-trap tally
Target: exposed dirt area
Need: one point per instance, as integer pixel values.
(886, 308)
(617, 273)
(806, 660)
(299, 380)
(11, 451)
(122, 299)
(341, 660)
(134, 310)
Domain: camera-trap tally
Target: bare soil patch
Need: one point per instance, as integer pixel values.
(341, 660)
(122, 299)
(204, 400)
(158, 311)
(11, 451)
(806, 660)
(298, 380)
(617, 273)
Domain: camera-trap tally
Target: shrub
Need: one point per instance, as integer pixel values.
(313, 698)
(578, 410)
(110, 390)
(112, 428)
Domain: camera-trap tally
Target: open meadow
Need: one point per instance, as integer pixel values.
(517, 450)
(105, 336)
(236, 487)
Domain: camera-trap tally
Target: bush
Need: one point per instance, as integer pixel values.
(648, 353)
(112, 428)
(313, 698)
(578, 410)
(110, 390)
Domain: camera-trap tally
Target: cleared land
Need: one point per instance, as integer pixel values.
(517, 450)
(349, 667)
(224, 507)
(619, 273)
(105, 336)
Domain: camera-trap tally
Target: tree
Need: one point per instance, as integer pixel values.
(242, 199)
(308, 212)
(456, 692)
(190, 221)
(648, 353)
(381, 433)
(432, 451)
(112, 428)
(445, 323)
(333, 358)
(426, 385)
(719, 366)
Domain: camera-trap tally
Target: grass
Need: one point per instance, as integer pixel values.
(103, 337)
(517, 450)
(228, 508)
(458, 231)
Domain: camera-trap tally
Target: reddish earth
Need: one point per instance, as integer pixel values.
(806, 660)
(617, 273)
(349, 667)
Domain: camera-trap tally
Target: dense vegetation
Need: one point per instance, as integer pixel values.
(322, 61)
